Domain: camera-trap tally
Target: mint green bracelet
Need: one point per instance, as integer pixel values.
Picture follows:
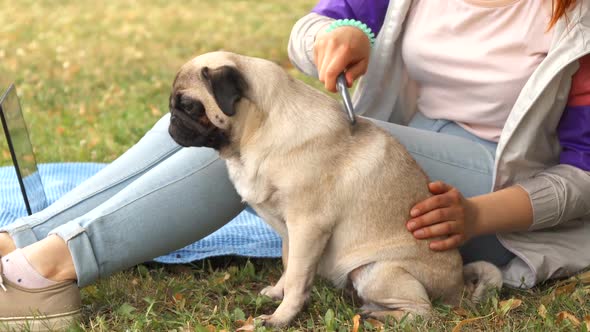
(353, 23)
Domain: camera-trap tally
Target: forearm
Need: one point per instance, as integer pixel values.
(504, 211)
(556, 195)
(302, 39)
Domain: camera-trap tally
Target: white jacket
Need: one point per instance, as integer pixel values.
(558, 242)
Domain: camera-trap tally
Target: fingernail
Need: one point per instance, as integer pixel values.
(419, 233)
(411, 225)
(414, 212)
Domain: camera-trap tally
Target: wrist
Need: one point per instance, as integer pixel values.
(360, 26)
(474, 218)
(504, 211)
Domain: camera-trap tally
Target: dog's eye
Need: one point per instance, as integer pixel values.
(192, 107)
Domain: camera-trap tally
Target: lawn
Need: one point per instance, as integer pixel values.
(94, 76)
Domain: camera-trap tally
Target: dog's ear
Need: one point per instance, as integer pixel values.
(227, 85)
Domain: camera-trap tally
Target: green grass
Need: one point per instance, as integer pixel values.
(221, 293)
(94, 76)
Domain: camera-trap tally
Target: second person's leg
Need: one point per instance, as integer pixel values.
(156, 145)
(175, 201)
(179, 201)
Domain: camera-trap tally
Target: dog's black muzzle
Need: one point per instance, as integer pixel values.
(190, 126)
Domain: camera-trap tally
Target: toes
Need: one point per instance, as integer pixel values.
(272, 292)
(264, 317)
(272, 321)
(266, 290)
(383, 315)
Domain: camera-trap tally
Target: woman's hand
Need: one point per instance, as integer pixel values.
(446, 214)
(344, 48)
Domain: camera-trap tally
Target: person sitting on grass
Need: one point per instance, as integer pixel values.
(491, 97)
(510, 80)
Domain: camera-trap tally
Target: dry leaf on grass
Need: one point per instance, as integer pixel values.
(507, 305)
(155, 111)
(223, 279)
(375, 324)
(542, 311)
(464, 322)
(563, 315)
(461, 312)
(565, 289)
(356, 322)
(587, 322)
(584, 278)
(178, 296)
(247, 325)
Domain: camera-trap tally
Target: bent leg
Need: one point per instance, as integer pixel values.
(179, 201)
(386, 289)
(155, 146)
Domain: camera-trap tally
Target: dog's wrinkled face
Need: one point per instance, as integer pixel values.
(203, 102)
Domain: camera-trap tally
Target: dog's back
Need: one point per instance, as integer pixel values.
(378, 183)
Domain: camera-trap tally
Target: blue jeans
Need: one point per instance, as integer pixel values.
(158, 197)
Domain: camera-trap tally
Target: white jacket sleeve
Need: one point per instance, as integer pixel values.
(558, 194)
(302, 40)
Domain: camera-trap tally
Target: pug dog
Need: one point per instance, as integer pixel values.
(338, 195)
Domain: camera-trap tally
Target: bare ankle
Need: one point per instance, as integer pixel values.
(51, 258)
(6, 244)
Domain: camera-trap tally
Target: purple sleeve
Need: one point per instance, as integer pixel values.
(574, 126)
(370, 12)
(574, 136)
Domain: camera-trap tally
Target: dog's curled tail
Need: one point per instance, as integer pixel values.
(479, 277)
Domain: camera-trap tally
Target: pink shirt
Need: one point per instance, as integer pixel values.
(471, 58)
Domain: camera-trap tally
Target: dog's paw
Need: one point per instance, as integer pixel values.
(385, 314)
(399, 315)
(272, 321)
(275, 293)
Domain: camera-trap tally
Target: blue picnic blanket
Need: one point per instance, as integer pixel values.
(245, 235)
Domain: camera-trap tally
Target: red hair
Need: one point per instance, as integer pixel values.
(559, 9)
